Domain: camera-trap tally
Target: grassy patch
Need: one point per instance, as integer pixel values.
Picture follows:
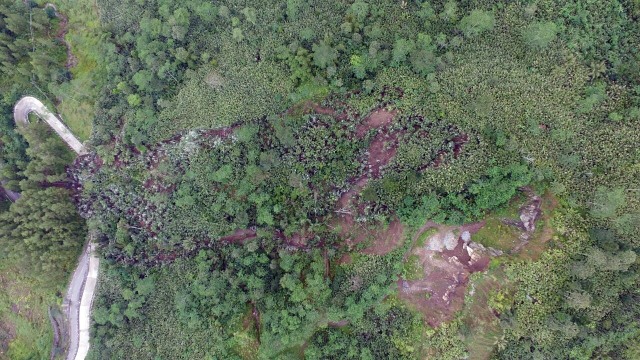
(411, 269)
(497, 235)
(77, 97)
(483, 326)
(24, 300)
(245, 339)
(422, 239)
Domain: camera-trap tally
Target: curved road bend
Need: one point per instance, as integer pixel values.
(29, 104)
(77, 302)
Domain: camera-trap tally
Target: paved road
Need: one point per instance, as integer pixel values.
(80, 292)
(72, 301)
(77, 303)
(29, 104)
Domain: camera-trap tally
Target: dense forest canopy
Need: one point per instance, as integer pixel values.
(348, 179)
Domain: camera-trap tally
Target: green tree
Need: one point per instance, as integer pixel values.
(401, 48)
(450, 11)
(607, 201)
(540, 34)
(324, 55)
(477, 22)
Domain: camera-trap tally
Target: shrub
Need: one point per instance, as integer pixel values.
(540, 34)
(477, 22)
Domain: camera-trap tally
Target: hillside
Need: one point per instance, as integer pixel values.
(355, 179)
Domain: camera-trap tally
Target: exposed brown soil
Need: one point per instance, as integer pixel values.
(376, 120)
(345, 259)
(239, 236)
(297, 240)
(72, 60)
(458, 143)
(381, 151)
(385, 241)
(440, 293)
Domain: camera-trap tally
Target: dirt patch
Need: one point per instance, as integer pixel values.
(296, 240)
(440, 292)
(239, 236)
(345, 259)
(385, 241)
(458, 143)
(376, 120)
(72, 60)
(381, 151)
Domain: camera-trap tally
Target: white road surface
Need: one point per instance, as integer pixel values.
(29, 104)
(77, 303)
(80, 292)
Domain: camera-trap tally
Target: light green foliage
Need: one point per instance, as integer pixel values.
(324, 55)
(250, 14)
(360, 9)
(606, 202)
(215, 193)
(450, 11)
(401, 49)
(477, 22)
(540, 34)
(412, 269)
(134, 100)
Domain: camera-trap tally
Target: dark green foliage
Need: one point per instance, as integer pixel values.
(43, 228)
(241, 221)
(386, 333)
(490, 192)
(30, 58)
(219, 294)
(569, 314)
(499, 186)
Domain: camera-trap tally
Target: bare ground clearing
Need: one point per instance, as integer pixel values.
(447, 261)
